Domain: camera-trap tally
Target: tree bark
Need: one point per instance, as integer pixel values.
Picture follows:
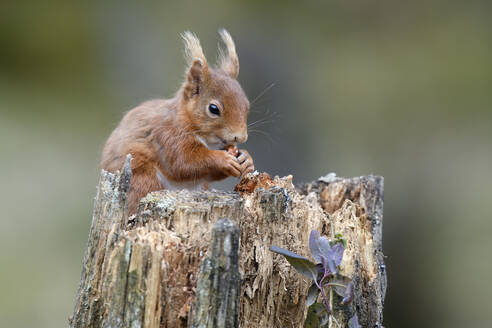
(142, 271)
(218, 287)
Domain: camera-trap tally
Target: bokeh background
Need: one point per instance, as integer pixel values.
(399, 89)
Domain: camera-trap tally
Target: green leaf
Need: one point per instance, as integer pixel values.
(300, 263)
(316, 316)
(312, 295)
(340, 239)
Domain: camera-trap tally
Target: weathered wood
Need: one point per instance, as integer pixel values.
(142, 271)
(109, 214)
(355, 208)
(218, 286)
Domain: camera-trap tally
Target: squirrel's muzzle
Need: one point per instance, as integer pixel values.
(239, 138)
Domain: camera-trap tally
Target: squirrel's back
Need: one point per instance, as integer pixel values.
(135, 128)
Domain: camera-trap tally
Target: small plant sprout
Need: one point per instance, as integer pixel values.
(324, 274)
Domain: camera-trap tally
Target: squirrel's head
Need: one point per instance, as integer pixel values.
(214, 103)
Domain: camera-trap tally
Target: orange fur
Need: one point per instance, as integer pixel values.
(179, 143)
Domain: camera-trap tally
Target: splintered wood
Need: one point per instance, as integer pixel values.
(142, 271)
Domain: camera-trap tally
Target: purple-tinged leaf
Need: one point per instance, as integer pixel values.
(324, 265)
(328, 266)
(324, 246)
(332, 266)
(337, 253)
(312, 295)
(321, 270)
(323, 252)
(327, 255)
(339, 284)
(354, 322)
(314, 245)
(300, 263)
(349, 294)
(285, 252)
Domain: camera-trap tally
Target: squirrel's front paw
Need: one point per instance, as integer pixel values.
(246, 162)
(229, 165)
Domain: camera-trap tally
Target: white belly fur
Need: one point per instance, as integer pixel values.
(171, 185)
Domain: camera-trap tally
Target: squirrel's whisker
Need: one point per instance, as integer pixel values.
(262, 93)
(260, 123)
(272, 140)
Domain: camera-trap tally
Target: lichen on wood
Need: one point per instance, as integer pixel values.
(142, 271)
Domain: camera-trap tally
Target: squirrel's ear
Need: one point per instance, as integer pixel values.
(229, 61)
(197, 71)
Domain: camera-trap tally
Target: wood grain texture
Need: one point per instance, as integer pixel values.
(218, 286)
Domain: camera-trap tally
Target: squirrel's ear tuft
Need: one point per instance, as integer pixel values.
(229, 61)
(193, 49)
(197, 64)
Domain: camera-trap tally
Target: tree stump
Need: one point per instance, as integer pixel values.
(142, 271)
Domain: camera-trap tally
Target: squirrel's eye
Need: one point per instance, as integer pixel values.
(214, 109)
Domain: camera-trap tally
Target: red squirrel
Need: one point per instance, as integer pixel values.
(189, 140)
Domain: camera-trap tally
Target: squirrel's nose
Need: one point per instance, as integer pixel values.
(240, 137)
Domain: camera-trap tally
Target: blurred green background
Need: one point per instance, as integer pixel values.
(399, 89)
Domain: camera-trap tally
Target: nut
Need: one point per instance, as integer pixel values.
(231, 149)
